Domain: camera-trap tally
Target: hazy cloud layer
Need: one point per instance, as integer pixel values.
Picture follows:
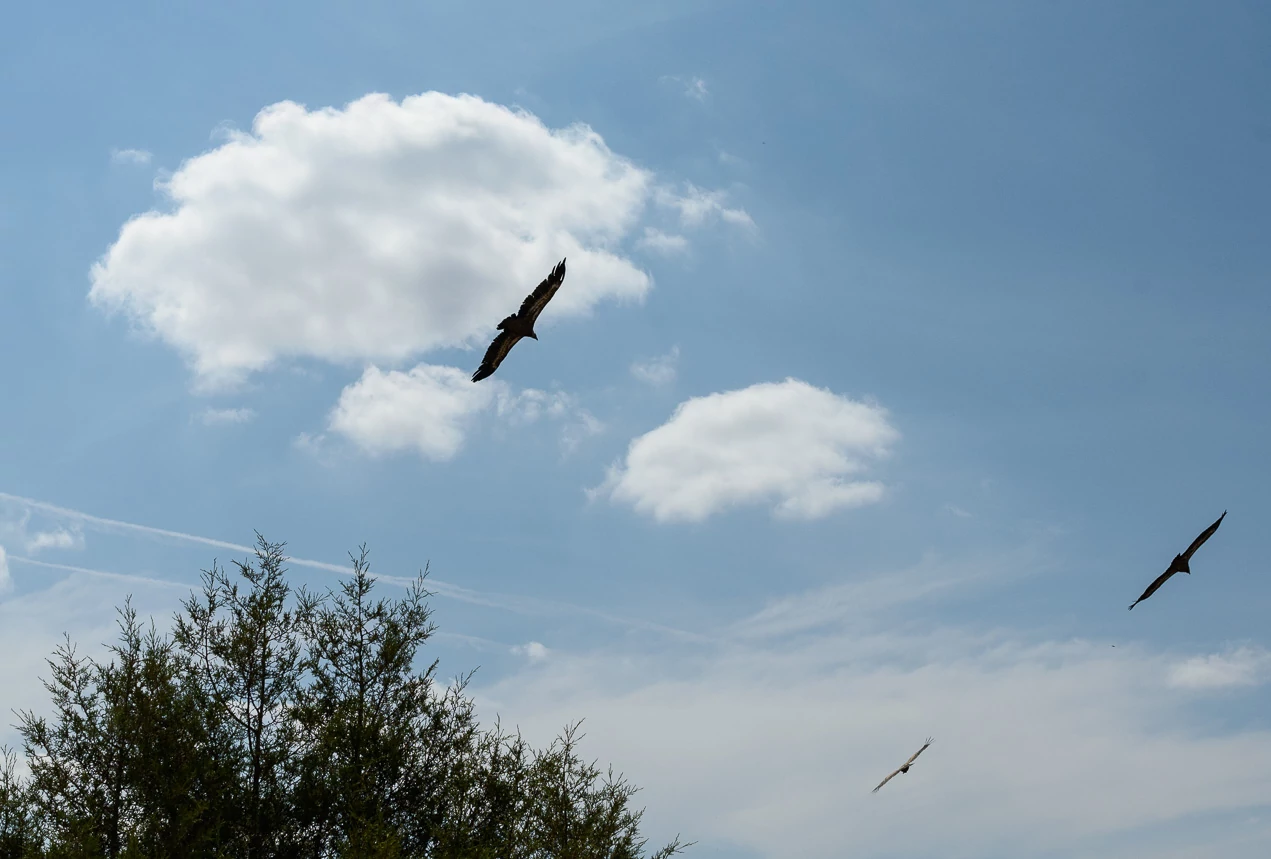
(1042, 747)
(1241, 666)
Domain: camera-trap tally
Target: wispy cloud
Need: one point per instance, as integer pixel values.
(213, 417)
(59, 538)
(693, 86)
(33, 541)
(130, 156)
(666, 244)
(658, 371)
(697, 206)
(6, 580)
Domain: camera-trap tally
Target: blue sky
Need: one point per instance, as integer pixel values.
(901, 347)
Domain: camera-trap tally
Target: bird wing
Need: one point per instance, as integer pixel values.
(1160, 580)
(494, 355)
(534, 303)
(884, 781)
(920, 751)
(1205, 535)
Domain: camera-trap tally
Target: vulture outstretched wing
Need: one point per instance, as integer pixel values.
(494, 355)
(1160, 580)
(1204, 535)
(534, 303)
(884, 781)
(920, 751)
(903, 766)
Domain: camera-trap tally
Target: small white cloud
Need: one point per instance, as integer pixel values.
(786, 442)
(130, 156)
(957, 511)
(1243, 666)
(212, 417)
(431, 408)
(534, 651)
(658, 371)
(697, 206)
(732, 160)
(6, 580)
(666, 244)
(59, 538)
(427, 409)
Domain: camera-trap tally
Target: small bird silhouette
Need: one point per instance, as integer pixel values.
(905, 767)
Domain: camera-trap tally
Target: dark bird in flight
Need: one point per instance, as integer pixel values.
(1179, 564)
(905, 768)
(520, 324)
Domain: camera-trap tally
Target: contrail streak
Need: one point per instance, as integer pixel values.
(99, 573)
(507, 602)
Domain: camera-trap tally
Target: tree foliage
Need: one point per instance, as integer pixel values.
(281, 724)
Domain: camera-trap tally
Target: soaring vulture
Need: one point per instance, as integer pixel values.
(1179, 564)
(520, 324)
(905, 768)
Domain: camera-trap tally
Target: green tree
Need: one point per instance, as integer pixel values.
(17, 824)
(364, 787)
(244, 649)
(281, 724)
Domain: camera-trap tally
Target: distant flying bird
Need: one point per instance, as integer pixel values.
(905, 768)
(520, 324)
(1179, 564)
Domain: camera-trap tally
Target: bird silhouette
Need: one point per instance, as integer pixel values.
(1180, 562)
(905, 767)
(520, 324)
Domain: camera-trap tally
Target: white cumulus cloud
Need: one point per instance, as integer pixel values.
(787, 443)
(657, 371)
(1242, 666)
(377, 232)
